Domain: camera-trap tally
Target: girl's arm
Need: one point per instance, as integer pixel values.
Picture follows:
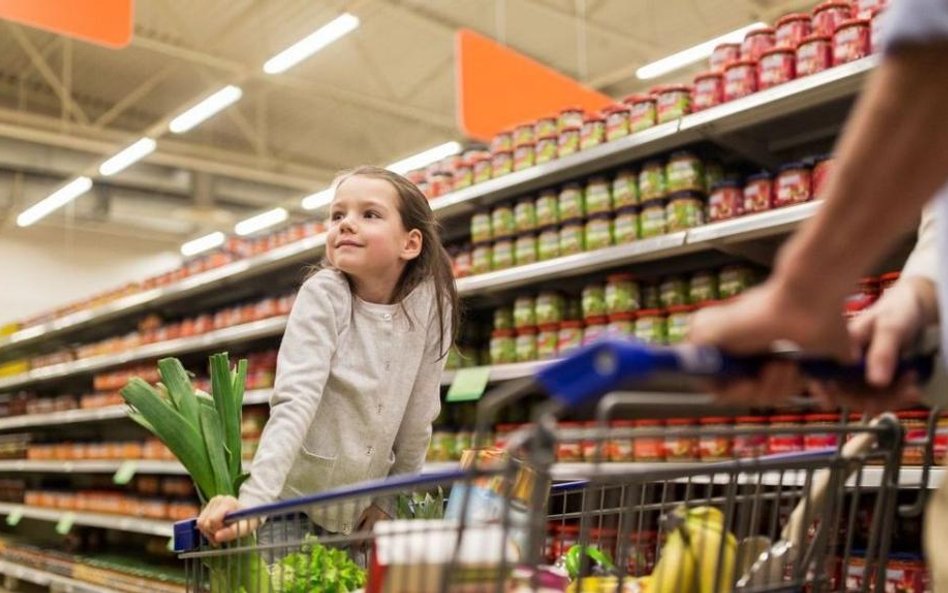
(306, 351)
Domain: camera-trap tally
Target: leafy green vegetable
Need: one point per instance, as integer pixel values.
(316, 568)
(574, 558)
(420, 506)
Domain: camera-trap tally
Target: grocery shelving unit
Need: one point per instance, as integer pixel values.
(42, 577)
(117, 522)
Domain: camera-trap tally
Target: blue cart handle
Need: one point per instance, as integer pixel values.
(605, 366)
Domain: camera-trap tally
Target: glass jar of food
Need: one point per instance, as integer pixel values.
(672, 291)
(570, 336)
(569, 450)
(525, 215)
(652, 182)
(681, 447)
(547, 149)
(524, 312)
(715, 443)
(852, 41)
(502, 221)
(595, 328)
(684, 210)
(622, 324)
(548, 243)
(726, 200)
(482, 168)
(791, 29)
(652, 219)
(572, 202)
(709, 90)
(814, 441)
(684, 172)
(547, 208)
(756, 42)
(598, 196)
(758, 193)
(643, 112)
(503, 347)
(674, 102)
(650, 327)
(617, 122)
(814, 54)
(703, 287)
(547, 338)
(503, 318)
(650, 296)
(502, 141)
(523, 134)
(621, 294)
(503, 254)
(572, 237)
(570, 117)
(524, 156)
(527, 344)
(625, 189)
(626, 225)
(594, 301)
(481, 258)
(593, 132)
(464, 175)
(525, 249)
(568, 142)
(649, 448)
(740, 79)
(733, 280)
(792, 185)
(828, 16)
(790, 441)
(724, 55)
(750, 440)
(550, 307)
(501, 163)
(822, 165)
(620, 446)
(546, 126)
(462, 262)
(679, 318)
(599, 231)
(777, 66)
(481, 227)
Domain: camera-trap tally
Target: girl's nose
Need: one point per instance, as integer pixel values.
(346, 224)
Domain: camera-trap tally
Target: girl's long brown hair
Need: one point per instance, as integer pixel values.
(433, 260)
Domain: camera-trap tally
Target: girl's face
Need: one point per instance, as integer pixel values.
(366, 237)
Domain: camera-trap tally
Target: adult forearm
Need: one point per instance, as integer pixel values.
(892, 159)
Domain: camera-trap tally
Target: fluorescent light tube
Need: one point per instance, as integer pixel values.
(127, 156)
(202, 244)
(54, 201)
(318, 200)
(220, 100)
(692, 54)
(312, 43)
(261, 221)
(425, 158)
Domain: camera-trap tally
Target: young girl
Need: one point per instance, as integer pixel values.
(359, 370)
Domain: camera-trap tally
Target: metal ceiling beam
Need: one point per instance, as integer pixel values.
(43, 67)
(43, 130)
(621, 37)
(133, 97)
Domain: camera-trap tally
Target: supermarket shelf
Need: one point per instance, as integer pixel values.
(256, 396)
(909, 477)
(144, 466)
(240, 333)
(503, 372)
(298, 252)
(119, 523)
(46, 579)
(753, 226)
(798, 95)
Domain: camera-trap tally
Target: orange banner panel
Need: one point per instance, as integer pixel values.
(105, 22)
(499, 88)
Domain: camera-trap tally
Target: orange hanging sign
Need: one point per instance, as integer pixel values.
(105, 22)
(499, 88)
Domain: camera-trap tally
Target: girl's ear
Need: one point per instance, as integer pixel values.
(413, 245)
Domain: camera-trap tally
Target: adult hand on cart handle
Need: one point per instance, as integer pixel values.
(764, 316)
(882, 332)
(211, 521)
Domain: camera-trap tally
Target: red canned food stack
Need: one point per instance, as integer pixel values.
(740, 79)
(851, 41)
(828, 15)
(814, 54)
(791, 29)
(777, 66)
(708, 91)
(757, 42)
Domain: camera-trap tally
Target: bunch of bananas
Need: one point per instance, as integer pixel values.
(689, 558)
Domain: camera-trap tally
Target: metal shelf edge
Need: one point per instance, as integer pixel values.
(117, 522)
(44, 578)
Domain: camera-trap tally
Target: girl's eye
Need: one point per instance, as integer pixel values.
(336, 216)
(372, 214)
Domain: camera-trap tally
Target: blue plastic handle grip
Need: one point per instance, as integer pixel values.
(602, 367)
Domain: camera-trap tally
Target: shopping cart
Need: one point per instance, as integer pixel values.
(756, 523)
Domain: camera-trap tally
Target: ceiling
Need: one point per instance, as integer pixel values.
(381, 93)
